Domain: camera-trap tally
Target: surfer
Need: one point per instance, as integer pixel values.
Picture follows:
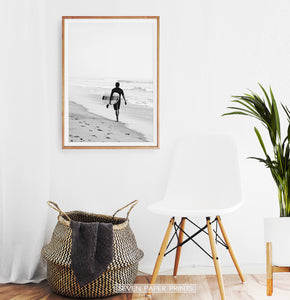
(120, 93)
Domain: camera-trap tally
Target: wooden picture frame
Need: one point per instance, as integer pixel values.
(110, 82)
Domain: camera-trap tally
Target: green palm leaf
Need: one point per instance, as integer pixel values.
(266, 111)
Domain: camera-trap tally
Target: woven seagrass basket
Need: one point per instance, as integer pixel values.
(122, 270)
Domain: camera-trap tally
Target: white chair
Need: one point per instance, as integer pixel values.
(204, 181)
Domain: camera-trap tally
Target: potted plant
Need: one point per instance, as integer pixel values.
(277, 160)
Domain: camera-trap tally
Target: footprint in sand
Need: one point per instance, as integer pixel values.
(76, 118)
(107, 137)
(94, 135)
(127, 133)
(87, 123)
(83, 126)
(100, 130)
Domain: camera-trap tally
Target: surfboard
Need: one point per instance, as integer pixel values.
(106, 99)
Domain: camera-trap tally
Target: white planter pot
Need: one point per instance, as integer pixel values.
(277, 231)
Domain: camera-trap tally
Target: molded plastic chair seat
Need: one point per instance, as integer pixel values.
(182, 209)
(204, 178)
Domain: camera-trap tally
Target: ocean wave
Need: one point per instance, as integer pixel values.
(139, 88)
(141, 102)
(136, 93)
(136, 81)
(96, 88)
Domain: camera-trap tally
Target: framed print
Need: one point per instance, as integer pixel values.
(110, 82)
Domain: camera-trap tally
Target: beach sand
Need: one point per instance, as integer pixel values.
(85, 126)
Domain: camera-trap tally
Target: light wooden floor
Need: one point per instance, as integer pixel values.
(206, 289)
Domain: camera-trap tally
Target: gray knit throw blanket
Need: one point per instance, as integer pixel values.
(92, 250)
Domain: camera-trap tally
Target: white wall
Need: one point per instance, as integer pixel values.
(209, 50)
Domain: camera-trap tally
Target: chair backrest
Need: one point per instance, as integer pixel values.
(204, 173)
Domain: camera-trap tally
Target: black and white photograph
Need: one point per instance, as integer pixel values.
(110, 82)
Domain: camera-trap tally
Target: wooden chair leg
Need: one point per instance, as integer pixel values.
(231, 251)
(269, 269)
(160, 256)
(215, 259)
(178, 249)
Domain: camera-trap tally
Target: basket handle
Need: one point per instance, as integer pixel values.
(133, 203)
(54, 206)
